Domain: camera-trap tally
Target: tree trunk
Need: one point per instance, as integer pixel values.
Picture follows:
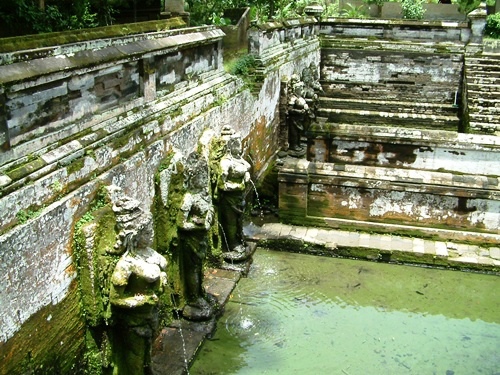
(41, 4)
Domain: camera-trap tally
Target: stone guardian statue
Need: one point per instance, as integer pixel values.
(234, 175)
(297, 116)
(138, 279)
(195, 218)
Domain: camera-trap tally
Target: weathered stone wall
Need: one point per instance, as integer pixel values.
(318, 193)
(109, 114)
(389, 144)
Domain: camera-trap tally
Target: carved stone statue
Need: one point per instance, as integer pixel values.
(194, 221)
(310, 77)
(234, 175)
(312, 88)
(297, 115)
(137, 281)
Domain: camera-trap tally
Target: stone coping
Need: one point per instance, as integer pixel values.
(290, 23)
(57, 40)
(443, 138)
(394, 22)
(25, 70)
(380, 176)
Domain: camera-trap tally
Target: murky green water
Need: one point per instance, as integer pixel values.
(300, 314)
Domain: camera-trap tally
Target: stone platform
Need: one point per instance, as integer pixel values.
(384, 247)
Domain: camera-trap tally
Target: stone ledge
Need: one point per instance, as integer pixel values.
(22, 71)
(379, 247)
(43, 45)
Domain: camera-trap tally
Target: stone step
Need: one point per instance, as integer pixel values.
(482, 127)
(484, 80)
(484, 118)
(388, 91)
(482, 68)
(481, 108)
(388, 106)
(490, 59)
(476, 87)
(485, 95)
(471, 75)
(413, 120)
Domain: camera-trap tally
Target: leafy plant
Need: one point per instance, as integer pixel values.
(352, 11)
(466, 6)
(412, 9)
(244, 65)
(493, 26)
(220, 21)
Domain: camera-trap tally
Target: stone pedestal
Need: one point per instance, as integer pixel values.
(175, 8)
(477, 23)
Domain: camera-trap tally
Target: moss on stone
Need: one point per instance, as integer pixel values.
(55, 349)
(165, 228)
(75, 165)
(27, 42)
(24, 170)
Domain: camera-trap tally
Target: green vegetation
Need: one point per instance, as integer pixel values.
(351, 11)
(24, 215)
(412, 9)
(493, 26)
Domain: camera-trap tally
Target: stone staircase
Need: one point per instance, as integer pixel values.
(482, 74)
(391, 82)
(428, 115)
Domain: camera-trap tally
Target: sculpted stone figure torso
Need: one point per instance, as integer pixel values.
(194, 221)
(232, 184)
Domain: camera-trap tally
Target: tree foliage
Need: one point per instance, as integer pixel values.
(19, 17)
(211, 11)
(493, 26)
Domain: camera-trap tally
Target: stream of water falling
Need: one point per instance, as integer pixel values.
(302, 314)
(183, 340)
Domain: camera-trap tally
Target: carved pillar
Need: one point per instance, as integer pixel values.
(148, 73)
(477, 20)
(175, 8)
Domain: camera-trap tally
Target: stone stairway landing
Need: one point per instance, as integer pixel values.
(482, 75)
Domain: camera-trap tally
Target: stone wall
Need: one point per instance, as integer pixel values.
(109, 113)
(389, 143)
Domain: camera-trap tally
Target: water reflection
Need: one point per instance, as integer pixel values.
(303, 314)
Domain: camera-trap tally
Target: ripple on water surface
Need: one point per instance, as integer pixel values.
(300, 314)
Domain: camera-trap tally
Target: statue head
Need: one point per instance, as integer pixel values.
(135, 226)
(234, 145)
(196, 172)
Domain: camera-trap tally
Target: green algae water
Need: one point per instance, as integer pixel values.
(302, 314)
